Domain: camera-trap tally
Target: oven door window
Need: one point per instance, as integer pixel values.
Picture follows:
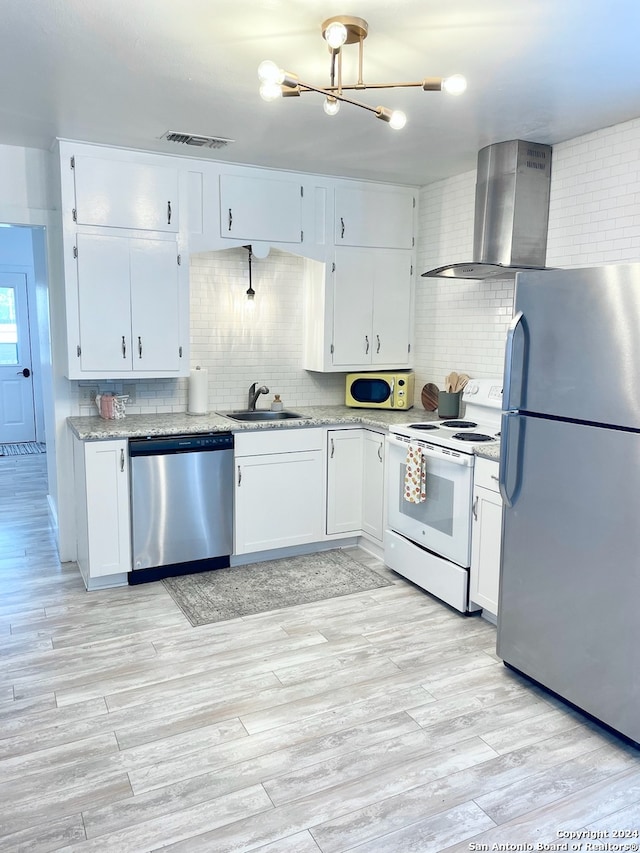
(370, 390)
(442, 522)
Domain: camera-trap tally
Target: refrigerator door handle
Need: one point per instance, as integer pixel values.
(513, 382)
(511, 436)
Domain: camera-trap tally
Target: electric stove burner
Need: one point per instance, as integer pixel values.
(423, 426)
(473, 436)
(459, 424)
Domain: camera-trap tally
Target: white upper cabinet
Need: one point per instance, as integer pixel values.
(119, 194)
(375, 216)
(128, 297)
(371, 308)
(261, 209)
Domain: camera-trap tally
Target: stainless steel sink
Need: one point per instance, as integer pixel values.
(265, 415)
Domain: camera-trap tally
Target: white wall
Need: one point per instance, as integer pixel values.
(594, 218)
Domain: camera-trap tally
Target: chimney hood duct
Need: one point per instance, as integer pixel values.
(512, 212)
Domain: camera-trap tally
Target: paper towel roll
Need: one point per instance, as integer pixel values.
(199, 391)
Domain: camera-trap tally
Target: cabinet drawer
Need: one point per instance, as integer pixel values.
(278, 441)
(486, 474)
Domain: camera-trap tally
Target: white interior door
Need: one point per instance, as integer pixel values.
(17, 421)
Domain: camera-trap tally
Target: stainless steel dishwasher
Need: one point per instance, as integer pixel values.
(181, 504)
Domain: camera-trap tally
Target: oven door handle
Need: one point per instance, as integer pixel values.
(461, 459)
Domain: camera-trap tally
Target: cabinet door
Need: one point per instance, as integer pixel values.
(374, 216)
(104, 306)
(353, 281)
(485, 549)
(278, 500)
(107, 494)
(262, 209)
(155, 305)
(391, 330)
(373, 484)
(344, 480)
(118, 194)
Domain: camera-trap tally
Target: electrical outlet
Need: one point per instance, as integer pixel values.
(130, 390)
(87, 394)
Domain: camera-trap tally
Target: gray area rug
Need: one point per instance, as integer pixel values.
(243, 590)
(22, 449)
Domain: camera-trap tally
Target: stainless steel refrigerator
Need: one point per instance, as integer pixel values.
(569, 609)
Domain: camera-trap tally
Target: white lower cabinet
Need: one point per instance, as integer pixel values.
(101, 477)
(486, 536)
(344, 480)
(373, 484)
(279, 494)
(355, 482)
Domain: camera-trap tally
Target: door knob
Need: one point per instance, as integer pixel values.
(26, 373)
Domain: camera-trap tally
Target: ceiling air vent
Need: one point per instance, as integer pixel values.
(195, 140)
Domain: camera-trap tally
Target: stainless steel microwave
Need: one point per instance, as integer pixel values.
(385, 390)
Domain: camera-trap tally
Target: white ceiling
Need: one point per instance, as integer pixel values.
(123, 72)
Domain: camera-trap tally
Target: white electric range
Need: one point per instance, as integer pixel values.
(430, 542)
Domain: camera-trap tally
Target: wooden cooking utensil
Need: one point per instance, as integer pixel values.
(429, 397)
(452, 381)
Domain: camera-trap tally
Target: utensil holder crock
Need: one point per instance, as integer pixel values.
(449, 404)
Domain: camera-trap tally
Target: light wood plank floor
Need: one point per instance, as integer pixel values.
(380, 721)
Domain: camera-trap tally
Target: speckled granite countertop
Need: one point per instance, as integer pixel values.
(492, 452)
(95, 428)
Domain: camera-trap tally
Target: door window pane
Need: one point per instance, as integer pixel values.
(437, 510)
(8, 327)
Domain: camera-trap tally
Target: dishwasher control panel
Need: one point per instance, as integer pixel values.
(153, 445)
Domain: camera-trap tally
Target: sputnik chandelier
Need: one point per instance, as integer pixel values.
(337, 32)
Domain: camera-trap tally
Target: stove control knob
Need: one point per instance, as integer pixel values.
(471, 389)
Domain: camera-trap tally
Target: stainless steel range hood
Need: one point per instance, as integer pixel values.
(512, 212)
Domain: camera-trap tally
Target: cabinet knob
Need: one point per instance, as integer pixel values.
(341, 228)
(168, 213)
(332, 449)
(366, 340)
(378, 339)
(230, 219)
(139, 347)
(124, 347)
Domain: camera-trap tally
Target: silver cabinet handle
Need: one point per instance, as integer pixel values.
(121, 459)
(341, 228)
(378, 339)
(168, 213)
(239, 475)
(124, 348)
(366, 338)
(139, 347)
(230, 219)
(474, 509)
(497, 479)
(332, 449)
(380, 451)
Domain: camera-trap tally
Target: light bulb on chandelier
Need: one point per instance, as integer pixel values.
(331, 106)
(340, 31)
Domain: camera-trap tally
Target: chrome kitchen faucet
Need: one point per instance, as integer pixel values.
(254, 394)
